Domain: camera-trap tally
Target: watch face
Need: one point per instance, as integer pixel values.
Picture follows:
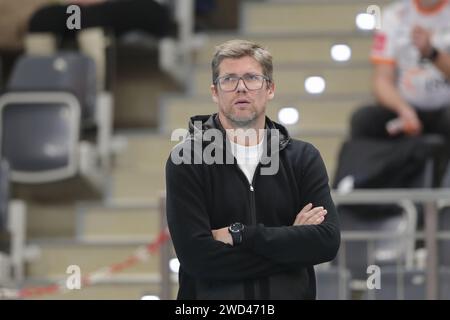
(236, 227)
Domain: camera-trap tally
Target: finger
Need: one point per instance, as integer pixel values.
(300, 214)
(307, 215)
(312, 219)
(306, 208)
(303, 216)
(319, 220)
(313, 212)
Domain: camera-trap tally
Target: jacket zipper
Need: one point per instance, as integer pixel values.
(251, 187)
(256, 284)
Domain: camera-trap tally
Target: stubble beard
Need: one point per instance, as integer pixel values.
(242, 122)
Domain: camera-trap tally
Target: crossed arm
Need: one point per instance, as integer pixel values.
(206, 254)
(309, 215)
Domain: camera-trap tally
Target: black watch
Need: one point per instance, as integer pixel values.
(235, 230)
(432, 56)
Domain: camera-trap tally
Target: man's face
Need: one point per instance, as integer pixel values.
(242, 107)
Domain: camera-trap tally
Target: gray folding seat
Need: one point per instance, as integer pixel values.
(408, 284)
(4, 194)
(444, 243)
(399, 283)
(333, 284)
(385, 250)
(48, 103)
(70, 72)
(444, 283)
(39, 137)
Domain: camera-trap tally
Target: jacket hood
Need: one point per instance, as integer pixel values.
(199, 124)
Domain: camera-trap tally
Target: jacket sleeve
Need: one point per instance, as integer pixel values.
(302, 245)
(200, 255)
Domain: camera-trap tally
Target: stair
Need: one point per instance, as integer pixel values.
(285, 17)
(325, 113)
(94, 235)
(289, 80)
(295, 48)
(98, 234)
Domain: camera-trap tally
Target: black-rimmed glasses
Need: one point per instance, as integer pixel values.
(229, 83)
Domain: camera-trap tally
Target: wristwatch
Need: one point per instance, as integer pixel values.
(235, 230)
(432, 56)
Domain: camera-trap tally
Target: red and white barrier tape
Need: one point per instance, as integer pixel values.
(140, 254)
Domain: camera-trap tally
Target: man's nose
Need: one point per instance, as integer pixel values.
(241, 85)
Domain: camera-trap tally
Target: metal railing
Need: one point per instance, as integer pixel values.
(433, 199)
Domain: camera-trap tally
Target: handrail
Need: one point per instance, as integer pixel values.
(431, 198)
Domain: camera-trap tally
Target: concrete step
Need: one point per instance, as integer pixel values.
(117, 288)
(56, 256)
(290, 79)
(138, 172)
(294, 49)
(138, 186)
(328, 147)
(277, 17)
(143, 149)
(50, 221)
(318, 114)
(99, 222)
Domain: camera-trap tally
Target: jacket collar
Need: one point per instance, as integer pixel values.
(198, 124)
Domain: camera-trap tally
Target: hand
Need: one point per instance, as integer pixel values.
(421, 38)
(411, 123)
(222, 235)
(310, 216)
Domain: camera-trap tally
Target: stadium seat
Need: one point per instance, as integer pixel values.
(408, 284)
(375, 220)
(49, 103)
(5, 264)
(399, 284)
(44, 149)
(444, 244)
(444, 283)
(63, 72)
(332, 284)
(4, 194)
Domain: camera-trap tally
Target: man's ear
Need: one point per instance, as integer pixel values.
(214, 93)
(271, 90)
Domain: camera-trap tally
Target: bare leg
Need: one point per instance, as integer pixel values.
(92, 42)
(40, 43)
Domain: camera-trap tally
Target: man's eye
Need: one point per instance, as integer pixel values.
(251, 77)
(229, 79)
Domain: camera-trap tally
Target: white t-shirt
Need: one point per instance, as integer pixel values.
(420, 83)
(247, 157)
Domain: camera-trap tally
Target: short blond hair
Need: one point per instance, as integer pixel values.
(236, 49)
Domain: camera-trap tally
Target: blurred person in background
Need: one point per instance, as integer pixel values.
(47, 27)
(411, 57)
(119, 16)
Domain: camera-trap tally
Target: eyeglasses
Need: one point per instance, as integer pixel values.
(229, 83)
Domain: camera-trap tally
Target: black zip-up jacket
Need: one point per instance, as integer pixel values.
(276, 259)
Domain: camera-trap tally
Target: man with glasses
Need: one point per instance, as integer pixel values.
(241, 232)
